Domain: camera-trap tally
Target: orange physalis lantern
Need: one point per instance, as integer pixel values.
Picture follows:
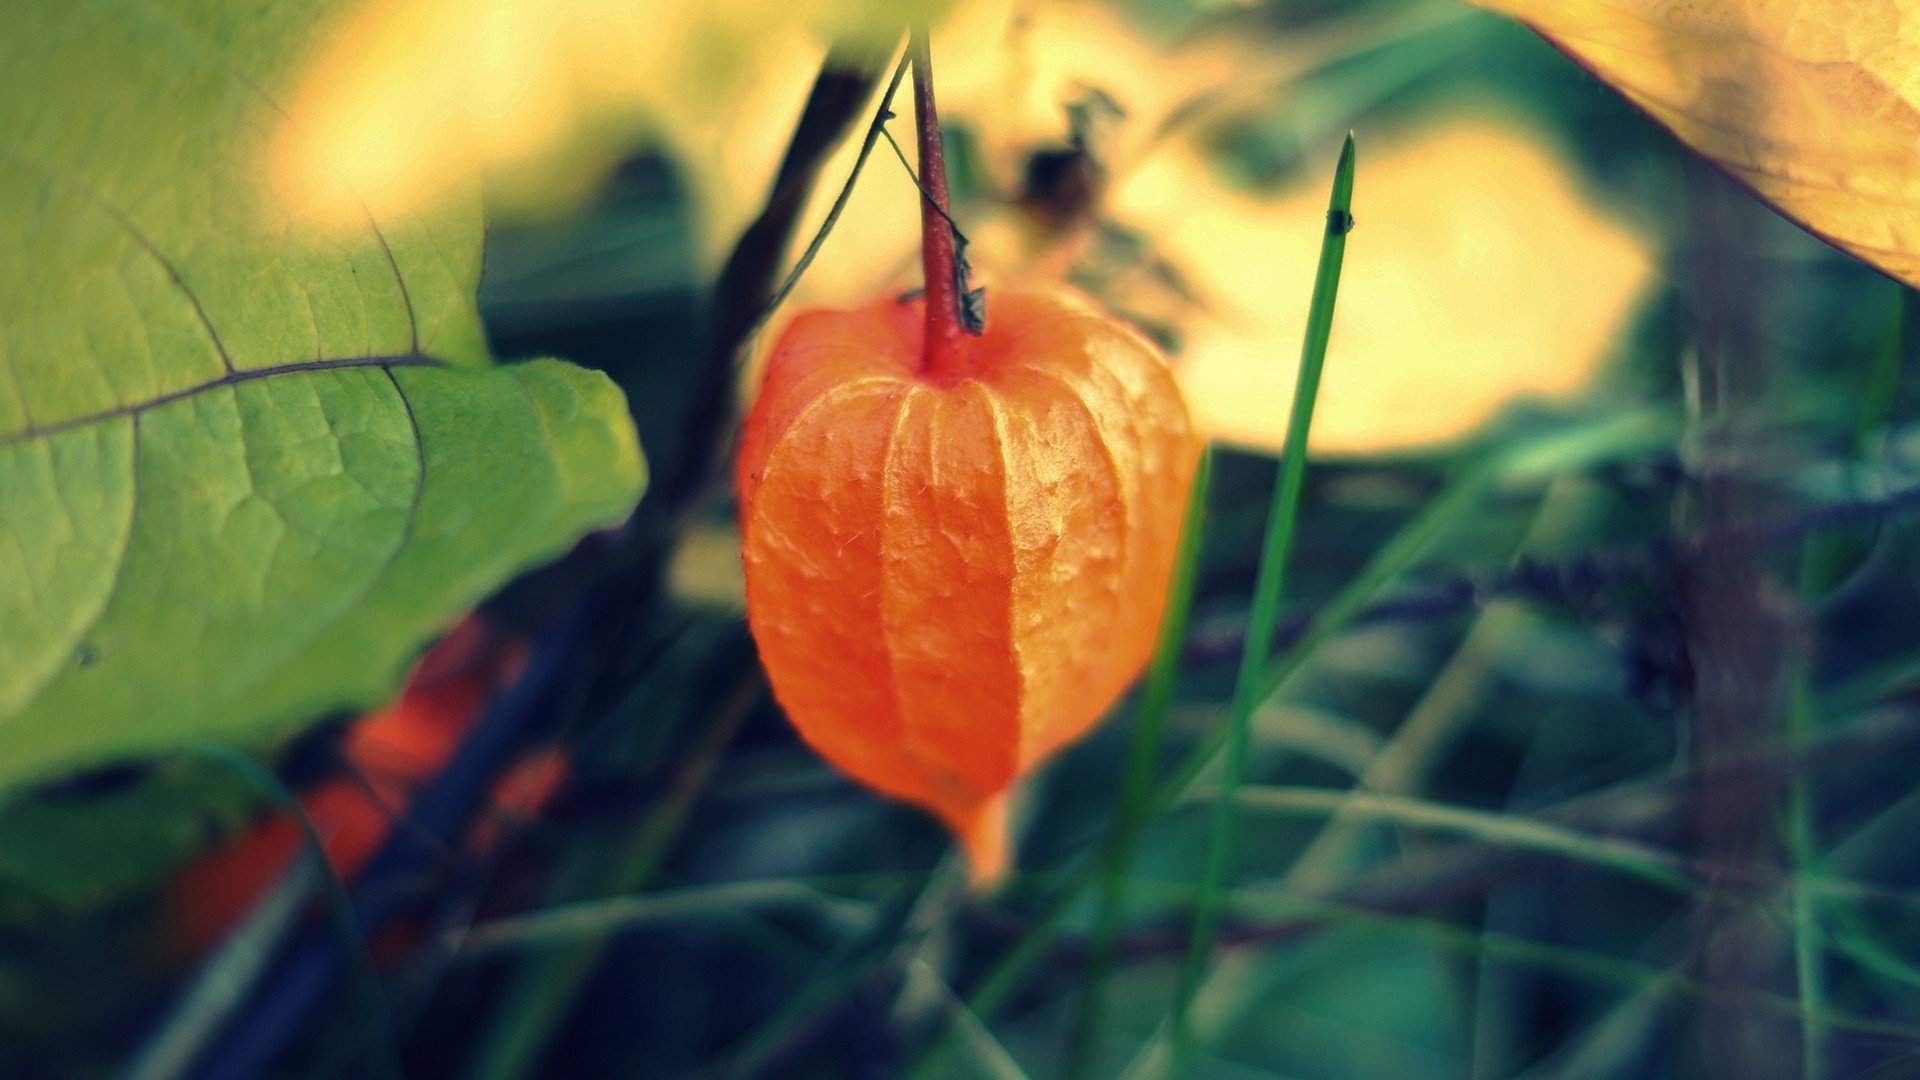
(958, 545)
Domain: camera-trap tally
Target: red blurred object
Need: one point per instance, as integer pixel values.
(389, 753)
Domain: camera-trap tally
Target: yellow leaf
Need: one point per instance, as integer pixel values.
(1814, 104)
(1478, 275)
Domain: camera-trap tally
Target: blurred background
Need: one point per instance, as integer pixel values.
(1594, 751)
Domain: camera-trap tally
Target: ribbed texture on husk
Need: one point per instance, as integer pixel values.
(951, 578)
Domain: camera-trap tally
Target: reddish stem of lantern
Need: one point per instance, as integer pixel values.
(939, 256)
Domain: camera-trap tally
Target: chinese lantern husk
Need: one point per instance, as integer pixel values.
(950, 578)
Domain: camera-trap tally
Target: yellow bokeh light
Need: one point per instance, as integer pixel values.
(1479, 274)
(411, 101)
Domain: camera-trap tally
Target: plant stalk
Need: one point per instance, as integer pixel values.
(1258, 648)
(939, 248)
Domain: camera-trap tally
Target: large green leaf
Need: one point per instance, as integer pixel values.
(246, 467)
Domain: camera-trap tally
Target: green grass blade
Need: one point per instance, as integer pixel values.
(1438, 715)
(849, 964)
(537, 1000)
(1809, 952)
(1292, 913)
(385, 1052)
(990, 1058)
(1612, 1044)
(1143, 757)
(224, 981)
(1824, 562)
(593, 920)
(1580, 448)
(1249, 686)
(1848, 933)
(1598, 968)
(1880, 396)
(1650, 864)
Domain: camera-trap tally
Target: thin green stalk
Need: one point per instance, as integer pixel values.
(225, 980)
(1832, 557)
(1433, 723)
(1296, 913)
(1143, 757)
(1844, 928)
(926, 938)
(1270, 915)
(1850, 934)
(359, 962)
(1820, 566)
(1613, 1043)
(1597, 968)
(542, 991)
(1642, 861)
(1881, 394)
(850, 963)
(565, 924)
(990, 1057)
(1249, 685)
(1809, 953)
(874, 130)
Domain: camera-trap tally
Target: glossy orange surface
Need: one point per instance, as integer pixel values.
(952, 575)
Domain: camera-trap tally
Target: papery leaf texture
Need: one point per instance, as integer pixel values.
(1813, 104)
(247, 468)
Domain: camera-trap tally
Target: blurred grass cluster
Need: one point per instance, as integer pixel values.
(1593, 751)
